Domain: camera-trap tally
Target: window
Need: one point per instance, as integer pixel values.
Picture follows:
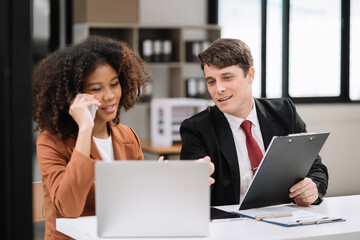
(354, 50)
(274, 49)
(309, 48)
(314, 48)
(242, 20)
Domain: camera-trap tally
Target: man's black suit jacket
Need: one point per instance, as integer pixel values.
(208, 133)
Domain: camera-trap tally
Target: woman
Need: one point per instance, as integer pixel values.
(97, 72)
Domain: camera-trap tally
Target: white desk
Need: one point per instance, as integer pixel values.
(347, 207)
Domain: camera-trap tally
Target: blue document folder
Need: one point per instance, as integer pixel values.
(287, 216)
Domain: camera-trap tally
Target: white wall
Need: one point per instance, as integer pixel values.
(173, 12)
(341, 152)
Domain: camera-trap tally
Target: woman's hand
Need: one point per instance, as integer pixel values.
(80, 113)
(79, 110)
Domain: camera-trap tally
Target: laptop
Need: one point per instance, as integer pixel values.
(287, 160)
(152, 199)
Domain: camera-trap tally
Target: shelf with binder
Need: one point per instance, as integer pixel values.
(196, 39)
(194, 82)
(168, 41)
(195, 47)
(196, 87)
(159, 44)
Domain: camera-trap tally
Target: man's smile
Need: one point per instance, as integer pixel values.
(224, 99)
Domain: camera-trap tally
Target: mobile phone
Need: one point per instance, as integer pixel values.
(92, 109)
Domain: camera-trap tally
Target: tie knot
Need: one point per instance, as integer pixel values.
(246, 126)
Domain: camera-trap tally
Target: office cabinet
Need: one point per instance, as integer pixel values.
(167, 115)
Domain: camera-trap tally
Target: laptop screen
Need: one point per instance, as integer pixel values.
(152, 199)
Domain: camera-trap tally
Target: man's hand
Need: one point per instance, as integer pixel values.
(205, 159)
(211, 167)
(304, 192)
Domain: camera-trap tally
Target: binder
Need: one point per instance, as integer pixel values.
(287, 216)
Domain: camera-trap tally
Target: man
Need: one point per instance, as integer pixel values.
(219, 131)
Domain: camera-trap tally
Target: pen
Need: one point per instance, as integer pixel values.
(228, 219)
(275, 215)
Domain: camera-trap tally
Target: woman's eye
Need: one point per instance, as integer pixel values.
(115, 84)
(95, 89)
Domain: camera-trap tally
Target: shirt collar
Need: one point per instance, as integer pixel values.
(235, 122)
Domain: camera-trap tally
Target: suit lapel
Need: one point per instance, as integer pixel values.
(94, 152)
(227, 147)
(115, 141)
(269, 125)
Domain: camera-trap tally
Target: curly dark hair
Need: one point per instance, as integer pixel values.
(60, 76)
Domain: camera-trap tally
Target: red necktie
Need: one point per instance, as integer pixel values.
(252, 146)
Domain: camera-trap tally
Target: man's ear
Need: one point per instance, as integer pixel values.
(251, 74)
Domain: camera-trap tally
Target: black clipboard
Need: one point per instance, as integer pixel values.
(287, 160)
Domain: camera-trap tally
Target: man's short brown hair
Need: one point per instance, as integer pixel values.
(226, 52)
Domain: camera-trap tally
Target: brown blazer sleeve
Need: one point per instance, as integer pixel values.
(67, 173)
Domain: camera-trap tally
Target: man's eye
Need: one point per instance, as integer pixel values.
(210, 82)
(228, 77)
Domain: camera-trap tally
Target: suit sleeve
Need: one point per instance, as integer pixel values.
(193, 144)
(68, 178)
(318, 171)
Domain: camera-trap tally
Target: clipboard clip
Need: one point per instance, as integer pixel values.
(319, 221)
